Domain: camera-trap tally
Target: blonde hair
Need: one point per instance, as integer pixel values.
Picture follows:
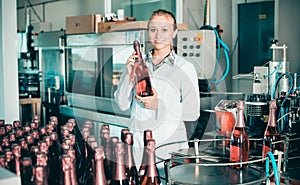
(162, 12)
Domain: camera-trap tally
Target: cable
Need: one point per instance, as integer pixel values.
(277, 81)
(275, 70)
(286, 114)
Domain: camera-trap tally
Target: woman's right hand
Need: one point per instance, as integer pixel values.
(130, 66)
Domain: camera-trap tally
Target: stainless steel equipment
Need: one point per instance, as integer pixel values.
(93, 67)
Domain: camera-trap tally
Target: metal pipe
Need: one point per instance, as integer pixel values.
(207, 13)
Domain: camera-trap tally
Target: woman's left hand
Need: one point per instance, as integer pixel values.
(149, 102)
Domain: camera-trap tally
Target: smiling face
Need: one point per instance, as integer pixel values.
(161, 32)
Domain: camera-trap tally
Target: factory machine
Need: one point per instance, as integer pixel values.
(274, 81)
(81, 73)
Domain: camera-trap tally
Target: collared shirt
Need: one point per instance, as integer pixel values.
(169, 59)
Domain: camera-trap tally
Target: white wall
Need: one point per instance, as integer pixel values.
(288, 31)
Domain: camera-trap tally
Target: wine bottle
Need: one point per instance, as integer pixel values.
(239, 141)
(66, 168)
(112, 141)
(2, 122)
(3, 162)
(147, 136)
(40, 175)
(2, 132)
(73, 176)
(8, 128)
(105, 137)
(119, 177)
(141, 74)
(16, 150)
(26, 171)
(54, 159)
(151, 176)
(100, 178)
(130, 168)
(17, 124)
(272, 133)
(8, 158)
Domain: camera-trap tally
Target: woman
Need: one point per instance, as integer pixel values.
(175, 90)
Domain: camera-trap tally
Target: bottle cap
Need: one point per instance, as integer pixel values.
(99, 153)
(128, 138)
(147, 135)
(240, 104)
(119, 148)
(273, 104)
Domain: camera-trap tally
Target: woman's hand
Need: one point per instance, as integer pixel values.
(149, 102)
(130, 66)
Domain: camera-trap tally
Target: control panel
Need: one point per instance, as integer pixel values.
(199, 47)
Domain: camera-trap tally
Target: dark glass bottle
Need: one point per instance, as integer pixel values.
(151, 176)
(105, 137)
(40, 175)
(71, 153)
(100, 178)
(119, 177)
(112, 141)
(239, 141)
(26, 171)
(66, 168)
(141, 74)
(16, 150)
(272, 133)
(130, 168)
(147, 136)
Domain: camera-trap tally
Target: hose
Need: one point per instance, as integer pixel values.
(274, 166)
(226, 49)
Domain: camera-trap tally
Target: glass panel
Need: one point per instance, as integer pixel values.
(82, 70)
(95, 71)
(142, 9)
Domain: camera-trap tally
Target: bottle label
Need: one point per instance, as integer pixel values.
(234, 154)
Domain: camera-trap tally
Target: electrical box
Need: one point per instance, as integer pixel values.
(199, 47)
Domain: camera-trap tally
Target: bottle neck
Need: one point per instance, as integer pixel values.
(240, 120)
(152, 170)
(129, 161)
(18, 170)
(120, 170)
(272, 118)
(100, 175)
(67, 177)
